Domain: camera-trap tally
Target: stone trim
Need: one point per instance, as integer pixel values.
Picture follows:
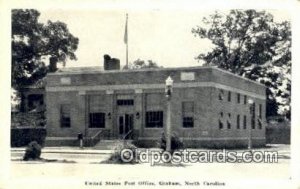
(152, 86)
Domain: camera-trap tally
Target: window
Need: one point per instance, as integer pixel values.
(221, 94)
(238, 121)
(65, 118)
(188, 122)
(245, 99)
(220, 124)
(245, 122)
(260, 111)
(187, 114)
(253, 123)
(220, 120)
(97, 120)
(125, 102)
(228, 124)
(259, 123)
(229, 96)
(238, 98)
(229, 121)
(154, 119)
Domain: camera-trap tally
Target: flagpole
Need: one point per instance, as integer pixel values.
(126, 40)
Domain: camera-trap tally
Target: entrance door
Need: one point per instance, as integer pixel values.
(125, 126)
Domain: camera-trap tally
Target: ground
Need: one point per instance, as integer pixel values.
(82, 169)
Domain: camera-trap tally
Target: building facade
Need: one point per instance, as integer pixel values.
(209, 106)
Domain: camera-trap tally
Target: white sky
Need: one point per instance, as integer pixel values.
(162, 36)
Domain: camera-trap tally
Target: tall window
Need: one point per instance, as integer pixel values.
(187, 114)
(245, 122)
(154, 119)
(221, 94)
(220, 124)
(229, 96)
(253, 122)
(245, 99)
(238, 121)
(65, 118)
(260, 111)
(229, 121)
(220, 120)
(228, 124)
(260, 116)
(97, 120)
(238, 98)
(259, 123)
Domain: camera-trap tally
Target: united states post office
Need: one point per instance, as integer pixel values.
(209, 106)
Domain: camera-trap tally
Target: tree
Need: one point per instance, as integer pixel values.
(141, 64)
(34, 43)
(251, 44)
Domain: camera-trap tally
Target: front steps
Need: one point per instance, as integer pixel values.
(110, 144)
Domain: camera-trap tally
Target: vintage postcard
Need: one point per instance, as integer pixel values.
(149, 94)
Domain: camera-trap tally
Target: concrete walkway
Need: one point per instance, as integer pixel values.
(66, 150)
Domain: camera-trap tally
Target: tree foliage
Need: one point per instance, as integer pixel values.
(251, 44)
(34, 43)
(141, 64)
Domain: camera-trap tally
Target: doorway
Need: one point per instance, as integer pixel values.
(125, 126)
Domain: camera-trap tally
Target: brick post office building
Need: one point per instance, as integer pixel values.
(209, 106)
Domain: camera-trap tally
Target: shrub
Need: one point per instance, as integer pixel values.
(115, 158)
(33, 151)
(176, 143)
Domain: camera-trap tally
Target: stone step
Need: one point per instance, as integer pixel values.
(109, 144)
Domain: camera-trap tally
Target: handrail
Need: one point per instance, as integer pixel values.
(129, 132)
(97, 134)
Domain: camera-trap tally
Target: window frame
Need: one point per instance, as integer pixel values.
(65, 117)
(244, 122)
(154, 121)
(188, 114)
(238, 121)
(229, 96)
(125, 102)
(238, 98)
(95, 124)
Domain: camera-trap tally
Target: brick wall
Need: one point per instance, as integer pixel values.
(207, 106)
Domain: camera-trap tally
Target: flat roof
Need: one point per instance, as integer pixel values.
(100, 70)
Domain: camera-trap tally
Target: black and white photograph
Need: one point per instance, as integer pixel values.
(154, 94)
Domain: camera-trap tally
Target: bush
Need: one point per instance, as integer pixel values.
(23, 136)
(33, 151)
(115, 158)
(176, 143)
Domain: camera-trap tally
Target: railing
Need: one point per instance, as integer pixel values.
(91, 141)
(127, 134)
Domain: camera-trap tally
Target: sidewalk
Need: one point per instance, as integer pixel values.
(66, 150)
